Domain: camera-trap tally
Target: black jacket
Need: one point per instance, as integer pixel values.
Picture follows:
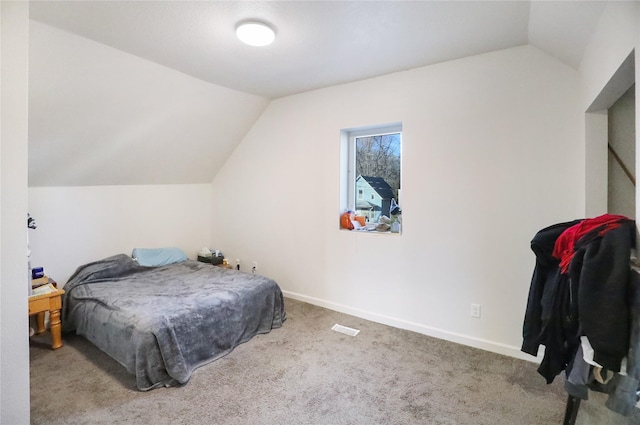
(548, 303)
(592, 299)
(601, 267)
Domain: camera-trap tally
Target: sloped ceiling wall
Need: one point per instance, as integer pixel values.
(108, 106)
(99, 116)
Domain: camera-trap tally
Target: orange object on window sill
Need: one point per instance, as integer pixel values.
(345, 220)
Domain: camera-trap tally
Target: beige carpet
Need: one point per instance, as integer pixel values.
(305, 373)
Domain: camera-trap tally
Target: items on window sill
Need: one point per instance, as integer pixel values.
(350, 221)
(346, 220)
(384, 224)
(396, 216)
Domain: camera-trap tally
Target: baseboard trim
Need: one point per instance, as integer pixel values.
(482, 344)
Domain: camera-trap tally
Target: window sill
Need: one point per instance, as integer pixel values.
(371, 232)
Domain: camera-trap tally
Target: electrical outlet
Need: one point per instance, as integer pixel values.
(475, 310)
(255, 267)
(237, 264)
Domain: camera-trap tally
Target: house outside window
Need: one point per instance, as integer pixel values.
(371, 171)
(379, 200)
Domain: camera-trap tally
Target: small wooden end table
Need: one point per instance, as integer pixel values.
(51, 302)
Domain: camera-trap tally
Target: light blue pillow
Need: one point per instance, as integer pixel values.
(152, 257)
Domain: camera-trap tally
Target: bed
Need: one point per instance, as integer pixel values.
(161, 323)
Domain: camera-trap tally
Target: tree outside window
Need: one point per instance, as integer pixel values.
(379, 156)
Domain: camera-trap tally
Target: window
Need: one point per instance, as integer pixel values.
(371, 168)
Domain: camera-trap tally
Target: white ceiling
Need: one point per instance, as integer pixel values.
(108, 108)
(320, 43)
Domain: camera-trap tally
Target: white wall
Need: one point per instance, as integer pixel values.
(493, 151)
(14, 325)
(615, 37)
(77, 225)
(100, 116)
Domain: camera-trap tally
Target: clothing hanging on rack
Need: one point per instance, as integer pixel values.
(584, 294)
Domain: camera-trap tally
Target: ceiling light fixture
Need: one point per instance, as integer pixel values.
(255, 33)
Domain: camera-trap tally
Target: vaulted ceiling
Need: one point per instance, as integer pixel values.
(86, 92)
(321, 43)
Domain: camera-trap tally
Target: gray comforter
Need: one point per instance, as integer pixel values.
(161, 323)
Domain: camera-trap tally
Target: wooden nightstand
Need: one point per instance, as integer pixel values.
(50, 301)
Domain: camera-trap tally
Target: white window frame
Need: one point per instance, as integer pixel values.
(348, 159)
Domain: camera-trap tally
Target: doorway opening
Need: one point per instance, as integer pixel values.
(621, 146)
(611, 146)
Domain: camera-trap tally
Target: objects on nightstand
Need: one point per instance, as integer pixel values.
(31, 224)
(44, 289)
(41, 281)
(37, 272)
(225, 264)
(207, 255)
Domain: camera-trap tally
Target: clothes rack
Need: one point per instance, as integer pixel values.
(571, 411)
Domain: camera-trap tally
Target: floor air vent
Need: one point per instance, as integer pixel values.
(345, 330)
